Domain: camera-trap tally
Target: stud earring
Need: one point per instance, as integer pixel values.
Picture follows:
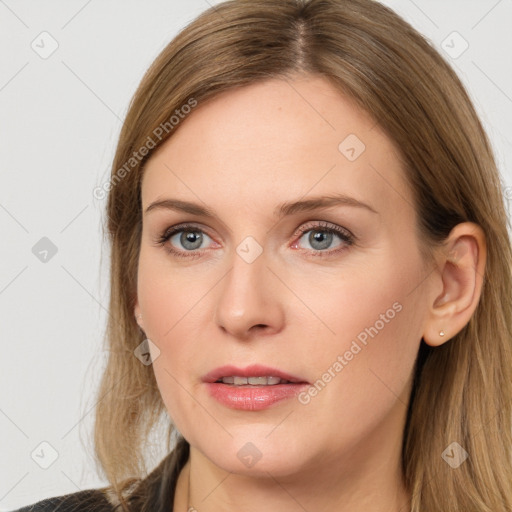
(441, 333)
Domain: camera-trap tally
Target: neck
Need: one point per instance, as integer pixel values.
(344, 487)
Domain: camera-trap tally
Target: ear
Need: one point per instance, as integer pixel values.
(461, 266)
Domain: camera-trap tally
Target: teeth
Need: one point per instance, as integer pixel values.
(253, 381)
(273, 380)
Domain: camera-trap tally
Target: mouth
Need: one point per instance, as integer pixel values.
(253, 388)
(252, 381)
(254, 375)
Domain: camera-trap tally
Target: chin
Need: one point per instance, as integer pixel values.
(255, 453)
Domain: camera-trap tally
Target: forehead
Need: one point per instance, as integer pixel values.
(268, 142)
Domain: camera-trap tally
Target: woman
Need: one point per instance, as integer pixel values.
(310, 274)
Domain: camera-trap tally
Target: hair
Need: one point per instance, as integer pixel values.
(462, 389)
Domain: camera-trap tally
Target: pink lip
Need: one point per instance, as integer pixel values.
(254, 370)
(253, 398)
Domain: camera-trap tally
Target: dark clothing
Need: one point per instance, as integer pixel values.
(155, 493)
(91, 499)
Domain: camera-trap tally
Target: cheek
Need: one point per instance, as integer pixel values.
(173, 304)
(366, 361)
(168, 296)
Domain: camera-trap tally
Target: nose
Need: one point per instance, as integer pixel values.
(251, 299)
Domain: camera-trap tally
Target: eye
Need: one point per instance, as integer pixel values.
(190, 238)
(321, 236)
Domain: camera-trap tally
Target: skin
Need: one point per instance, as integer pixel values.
(243, 153)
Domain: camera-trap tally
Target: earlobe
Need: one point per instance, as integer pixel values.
(138, 315)
(461, 264)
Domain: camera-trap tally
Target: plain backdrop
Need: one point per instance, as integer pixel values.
(60, 117)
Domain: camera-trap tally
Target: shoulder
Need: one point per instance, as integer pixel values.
(82, 501)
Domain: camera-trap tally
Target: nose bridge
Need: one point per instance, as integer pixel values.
(249, 295)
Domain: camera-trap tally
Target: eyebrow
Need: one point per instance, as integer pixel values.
(282, 210)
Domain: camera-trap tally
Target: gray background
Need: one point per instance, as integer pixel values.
(60, 119)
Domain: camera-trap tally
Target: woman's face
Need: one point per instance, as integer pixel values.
(262, 282)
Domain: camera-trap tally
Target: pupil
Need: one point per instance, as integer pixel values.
(192, 238)
(322, 238)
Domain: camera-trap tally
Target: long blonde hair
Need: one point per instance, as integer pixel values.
(462, 389)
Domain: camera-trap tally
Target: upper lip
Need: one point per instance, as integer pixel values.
(254, 370)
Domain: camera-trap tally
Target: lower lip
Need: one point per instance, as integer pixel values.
(254, 398)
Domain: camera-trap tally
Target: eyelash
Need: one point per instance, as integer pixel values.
(346, 236)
